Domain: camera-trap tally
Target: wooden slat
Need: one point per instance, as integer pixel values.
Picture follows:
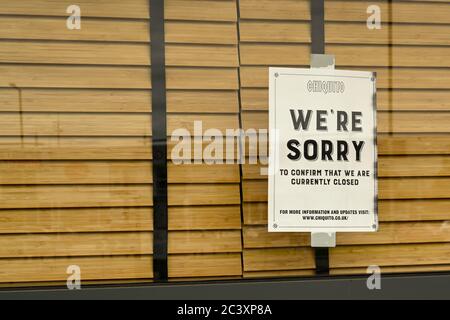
(114, 195)
(87, 100)
(253, 171)
(96, 148)
(274, 54)
(413, 122)
(414, 210)
(279, 10)
(114, 77)
(390, 255)
(174, 9)
(412, 78)
(254, 99)
(74, 124)
(274, 31)
(16, 51)
(414, 188)
(114, 8)
(75, 172)
(85, 124)
(204, 265)
(117, 219)
(397, 122)
(388, 188)
(255, 213)
(201, 10)
(201, 55)
(74, 76)
(76, 220)
(205, 217)
(254, 77)
(255, 120)
(203, 173)
(92, 268)
(399, 144)
(202, 78)
(405, 12)
(254, 190)
(278, 259)
(220, 122)
(202, 101)
(204, 241)
(204, 32)
(259, 237)
(76, 244)
(413, 166)
(69, 148)
(398, 34)
(54, 28)
(203, 194)
(344, 32)
(400, 78)
(75, 196)
(279, 273)
(78, 100)
(413, 100)
(205, 278)
(110, 172)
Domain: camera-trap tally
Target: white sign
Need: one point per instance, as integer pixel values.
(323, 158)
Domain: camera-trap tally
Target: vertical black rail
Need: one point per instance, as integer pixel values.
(317, 8)
(317, 26)
(159, 140)
(241, 142)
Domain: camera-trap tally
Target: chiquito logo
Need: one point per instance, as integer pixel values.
(325, 86)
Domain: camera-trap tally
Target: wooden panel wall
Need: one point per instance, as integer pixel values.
(414, 188)
(205, 223)
(75, 140)
(413, 130)
(75, 113)
(272, 33)
(75, 137)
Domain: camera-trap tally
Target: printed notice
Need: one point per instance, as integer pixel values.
(323, 157)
